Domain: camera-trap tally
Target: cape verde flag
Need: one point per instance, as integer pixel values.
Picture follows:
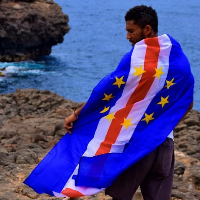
(129, 113)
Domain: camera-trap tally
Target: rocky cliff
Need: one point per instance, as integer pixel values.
(29, 28)
(31, 122)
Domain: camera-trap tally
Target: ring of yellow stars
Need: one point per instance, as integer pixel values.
(107, 97)
(148, 117)
(127, 123)
(110, 117)
(159, 72)
(169, 83)
(119, 81)
(105, 109)
(138, 71)
(163, 101)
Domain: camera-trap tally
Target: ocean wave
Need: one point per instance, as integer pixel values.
(33, 71)
(20, 70)
(12, 69)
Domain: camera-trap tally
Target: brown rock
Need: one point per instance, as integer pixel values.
(180, 127)
(41, 20)
(179, 168)
(25, 138)
(196, 177)
(192, 121)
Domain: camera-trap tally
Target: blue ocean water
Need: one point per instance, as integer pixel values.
(97, 42)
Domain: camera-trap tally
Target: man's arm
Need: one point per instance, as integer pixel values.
(73, 117)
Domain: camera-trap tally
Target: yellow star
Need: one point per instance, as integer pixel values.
(163, 101)
(105, 109)
(138, 71)
(169, 83)
(127, 123)
(119, 81)
(110, 117)
(148, 118)
(159, 72)
(107, 97)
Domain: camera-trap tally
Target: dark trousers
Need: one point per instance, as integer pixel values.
(153, 173)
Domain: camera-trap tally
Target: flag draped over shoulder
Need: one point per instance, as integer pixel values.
(129, 113)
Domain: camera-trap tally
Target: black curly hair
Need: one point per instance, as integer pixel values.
(142, 16)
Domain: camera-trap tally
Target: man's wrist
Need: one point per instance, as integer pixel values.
(75, 115)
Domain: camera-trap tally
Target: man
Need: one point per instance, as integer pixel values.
(120, 139)
(154, 172)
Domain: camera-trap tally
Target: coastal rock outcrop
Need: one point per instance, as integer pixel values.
(187, 135)
(29, 28)
(31, 123)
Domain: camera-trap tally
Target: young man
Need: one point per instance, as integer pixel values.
(122, 137)
(154, 172)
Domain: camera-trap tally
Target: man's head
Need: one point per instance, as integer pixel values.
(141, 23)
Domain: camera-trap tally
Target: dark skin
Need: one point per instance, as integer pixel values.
(72, 118)
(136, 33)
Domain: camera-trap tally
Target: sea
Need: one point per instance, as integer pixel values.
(97, 42)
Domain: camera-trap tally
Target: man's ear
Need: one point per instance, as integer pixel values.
(147, 31)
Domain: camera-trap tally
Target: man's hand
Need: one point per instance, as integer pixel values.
(73, 117)
(69, 122)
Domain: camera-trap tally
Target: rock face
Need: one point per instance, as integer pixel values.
(29, 28)
(187, 135)
(31, 122)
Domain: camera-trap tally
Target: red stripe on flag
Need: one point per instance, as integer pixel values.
(150, 63)
(113, 131)
(71, 193)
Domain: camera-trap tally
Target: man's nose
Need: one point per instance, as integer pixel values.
(128, 36)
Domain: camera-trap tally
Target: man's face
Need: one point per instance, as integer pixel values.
(134, 32)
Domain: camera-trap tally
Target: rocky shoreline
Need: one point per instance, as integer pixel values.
(29, 28)
(31, 123)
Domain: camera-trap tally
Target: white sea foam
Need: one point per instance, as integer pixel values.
(21, 70)
(34, 71)
(12, 69)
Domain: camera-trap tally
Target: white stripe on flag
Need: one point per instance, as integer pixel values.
(137, 59)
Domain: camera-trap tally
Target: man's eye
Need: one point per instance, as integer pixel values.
(130, 31)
